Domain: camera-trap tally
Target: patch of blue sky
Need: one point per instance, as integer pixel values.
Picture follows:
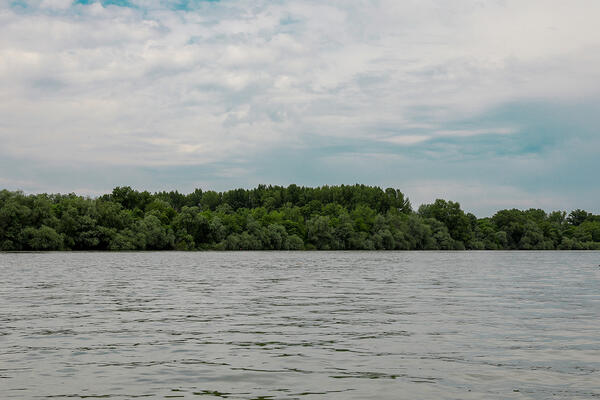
(19, 6)
(538, 127)
(187, 5)
(290, 25)
(289, 20)
(119, 3)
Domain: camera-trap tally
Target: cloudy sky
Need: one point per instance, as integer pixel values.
(492, 103)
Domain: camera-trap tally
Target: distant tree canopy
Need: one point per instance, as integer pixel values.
(342, 217)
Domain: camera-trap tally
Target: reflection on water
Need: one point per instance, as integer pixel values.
(300, 325)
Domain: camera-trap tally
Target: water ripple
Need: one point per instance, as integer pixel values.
(300, 325)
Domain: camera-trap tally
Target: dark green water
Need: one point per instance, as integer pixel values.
(300, 325)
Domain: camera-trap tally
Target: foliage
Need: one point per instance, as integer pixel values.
(356, 217)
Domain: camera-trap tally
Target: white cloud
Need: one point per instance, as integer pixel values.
(56, 4)
(406, 139)
(475, 132)
(154, 86)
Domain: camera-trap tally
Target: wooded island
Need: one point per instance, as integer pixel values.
(355, 217)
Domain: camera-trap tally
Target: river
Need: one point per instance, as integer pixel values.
(300, 325)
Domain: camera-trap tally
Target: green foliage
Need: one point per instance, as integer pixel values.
(43, 238)
(577, 217)
(356, 217)
(450, 214)
(320, 232)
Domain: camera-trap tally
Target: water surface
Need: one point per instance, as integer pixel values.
(300, 325)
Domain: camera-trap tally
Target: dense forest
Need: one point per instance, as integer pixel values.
(278, 218)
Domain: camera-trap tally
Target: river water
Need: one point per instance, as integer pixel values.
(300, 325)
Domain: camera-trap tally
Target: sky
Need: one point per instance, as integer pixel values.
(491, 103)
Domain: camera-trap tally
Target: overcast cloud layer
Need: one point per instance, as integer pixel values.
(491, 103)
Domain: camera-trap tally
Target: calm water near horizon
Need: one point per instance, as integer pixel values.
(300, 325)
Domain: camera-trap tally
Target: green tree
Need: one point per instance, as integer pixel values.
(319, 232)
(43, 238)
(577, 217)
(449, 213)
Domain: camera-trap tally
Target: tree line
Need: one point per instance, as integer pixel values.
(354, 217)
